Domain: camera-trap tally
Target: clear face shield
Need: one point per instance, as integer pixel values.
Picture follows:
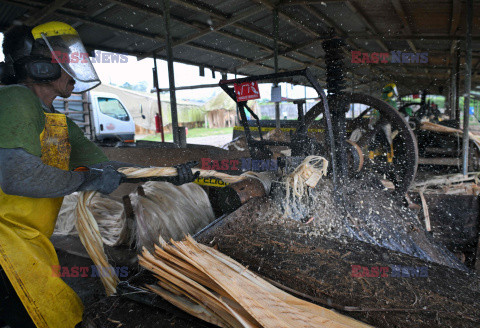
(68, 51)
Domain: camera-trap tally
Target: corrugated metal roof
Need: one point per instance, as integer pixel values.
(237, 36)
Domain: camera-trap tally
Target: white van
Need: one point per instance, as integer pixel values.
(101, 115)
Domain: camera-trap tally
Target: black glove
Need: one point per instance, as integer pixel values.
(185, 174)
(105, 180)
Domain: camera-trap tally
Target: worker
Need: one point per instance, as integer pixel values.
(389, 95)
(389, 92)
(39, 147)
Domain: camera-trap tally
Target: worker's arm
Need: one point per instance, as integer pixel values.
(23, 174)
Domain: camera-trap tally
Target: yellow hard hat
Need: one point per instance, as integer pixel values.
(52, 29)
(389, 90)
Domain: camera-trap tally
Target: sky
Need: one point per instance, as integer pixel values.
(134, 71)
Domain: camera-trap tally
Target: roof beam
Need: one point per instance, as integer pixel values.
(356, 9)
(154, 37)
(328, 21)
(411, 37)
(37, 5)
(290, 20)
(196, 25)
(331, 23)
(477, 65)
(238, 17)
(283, 52)
(152, 11)
(45, 11)
(455, 19)
(403, 17)
(269, 5)
(304, 2)
(203, 7)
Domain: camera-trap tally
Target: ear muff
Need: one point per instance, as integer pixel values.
(39, 69)
(43, 70)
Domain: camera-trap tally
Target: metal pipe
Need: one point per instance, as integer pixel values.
(457, 87)
(448, 98)
(353, 105)
(190, 87)
(275, 60)
(159, 102)
(453, 84)
(468, 84)
(171, 74)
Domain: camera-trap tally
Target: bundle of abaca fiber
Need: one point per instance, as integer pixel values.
(108, 213)
(169, 211)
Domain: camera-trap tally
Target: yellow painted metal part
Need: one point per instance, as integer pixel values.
(390, 155)
(26, 253)
(267, 129)
(211, 182)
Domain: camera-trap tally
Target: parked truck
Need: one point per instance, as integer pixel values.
(102, 116)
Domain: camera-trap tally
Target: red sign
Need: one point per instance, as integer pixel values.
(246, 91)
(415, 96)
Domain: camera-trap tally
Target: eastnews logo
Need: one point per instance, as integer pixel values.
(88, 271)
(82, 57)
(395, 57)
(393, 271)
(244, 164)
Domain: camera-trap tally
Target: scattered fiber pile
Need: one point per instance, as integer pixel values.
(213, 287)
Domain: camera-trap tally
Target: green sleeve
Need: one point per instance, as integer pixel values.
(21, 119)
(84, 152)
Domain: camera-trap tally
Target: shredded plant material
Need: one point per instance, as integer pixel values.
(303, 178)
(215, 288)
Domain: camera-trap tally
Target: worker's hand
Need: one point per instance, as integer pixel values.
(104, 180)
(185, 174)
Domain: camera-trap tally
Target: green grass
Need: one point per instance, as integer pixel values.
(192, 133)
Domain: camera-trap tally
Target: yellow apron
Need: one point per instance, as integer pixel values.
(26, 253)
